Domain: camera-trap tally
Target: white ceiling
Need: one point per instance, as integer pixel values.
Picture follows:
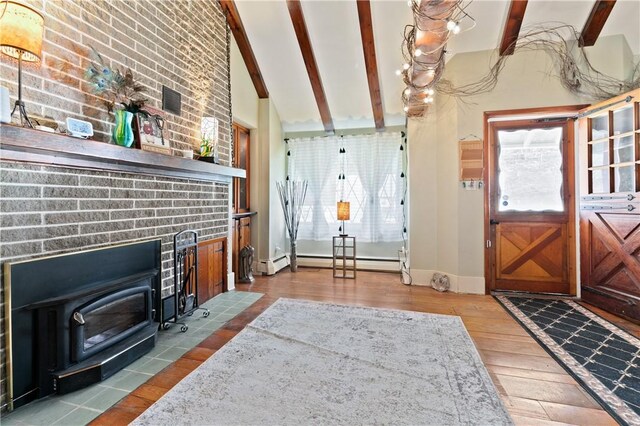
(335, 37)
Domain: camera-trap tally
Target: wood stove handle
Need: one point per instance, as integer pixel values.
(77, 316)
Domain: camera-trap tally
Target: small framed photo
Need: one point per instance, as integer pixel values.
(149, 131)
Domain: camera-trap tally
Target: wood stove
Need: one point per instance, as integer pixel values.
(77, 319)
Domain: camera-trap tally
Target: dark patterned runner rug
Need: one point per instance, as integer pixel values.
(603, 358)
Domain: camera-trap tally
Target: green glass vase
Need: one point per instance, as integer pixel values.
(122, 131)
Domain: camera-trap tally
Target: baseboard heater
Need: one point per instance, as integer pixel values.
(363, 264)
(272, 266)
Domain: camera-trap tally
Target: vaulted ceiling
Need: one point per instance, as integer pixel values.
(334, 35)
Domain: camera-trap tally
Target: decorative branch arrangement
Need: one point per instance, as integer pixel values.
(423, 48)
(116, 87)
(574, 69)
(292, 195)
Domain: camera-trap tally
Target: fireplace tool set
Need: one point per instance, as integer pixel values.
(185, 279)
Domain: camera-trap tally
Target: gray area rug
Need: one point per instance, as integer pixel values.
(314, 363)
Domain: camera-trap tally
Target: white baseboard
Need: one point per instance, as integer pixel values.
(231, 281)
(370, 265)
(271, 266)
(459, 284)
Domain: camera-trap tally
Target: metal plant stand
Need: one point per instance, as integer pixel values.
(185, 278)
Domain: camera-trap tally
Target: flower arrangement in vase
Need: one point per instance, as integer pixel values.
(120, 93)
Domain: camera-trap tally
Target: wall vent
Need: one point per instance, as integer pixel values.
(171, 100)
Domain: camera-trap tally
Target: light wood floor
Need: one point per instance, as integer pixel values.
(534, 388)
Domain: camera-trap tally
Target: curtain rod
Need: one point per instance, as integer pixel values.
(343, 132)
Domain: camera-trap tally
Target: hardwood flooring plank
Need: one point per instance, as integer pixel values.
(115, 416)
(168, 377)
(525, 407)
(532, 374)
(504, 337)
(523, 348)
(150, 392)
(495, 326)
(546, 391)
(199, 354)
(577, 415)
(134, 403)
(526, 362)
(528, 421)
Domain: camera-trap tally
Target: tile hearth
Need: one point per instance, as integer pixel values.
(79, 408)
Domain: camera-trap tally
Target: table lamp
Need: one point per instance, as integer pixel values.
(343, 214)
(21, 29)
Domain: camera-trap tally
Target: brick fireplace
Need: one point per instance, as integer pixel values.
(60, 195)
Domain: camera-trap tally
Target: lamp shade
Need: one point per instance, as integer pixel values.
(343, 210)
(21, 29)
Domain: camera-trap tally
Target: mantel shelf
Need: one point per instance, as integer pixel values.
(35, 146)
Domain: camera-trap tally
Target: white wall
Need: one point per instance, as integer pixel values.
(277, 173)
(446, 232)
(244, 99)
(267, 158)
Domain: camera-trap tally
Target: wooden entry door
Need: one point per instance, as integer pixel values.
(610, 205)
(529, 204)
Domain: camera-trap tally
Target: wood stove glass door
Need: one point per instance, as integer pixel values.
(109, 320)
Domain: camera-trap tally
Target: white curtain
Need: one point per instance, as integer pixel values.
(372, 166)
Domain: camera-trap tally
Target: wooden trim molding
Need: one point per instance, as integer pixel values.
(512, 26)
(35, 146)
(595, 22)
(370, 61)
(237, 28)
(300, 27)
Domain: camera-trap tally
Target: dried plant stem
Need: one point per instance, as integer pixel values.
(575, 71)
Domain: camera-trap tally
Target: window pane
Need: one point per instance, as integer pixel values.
(623, 149)
(623, 120)
(599, 154)
(599, 127)
(242, 194)
(530, 170)
(600, 181)
(625, 179)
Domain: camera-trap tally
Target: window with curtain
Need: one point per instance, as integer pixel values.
(372, 167)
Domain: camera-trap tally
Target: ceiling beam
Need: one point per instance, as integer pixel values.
(370, 61)
(235, 23)
(512, 26)
(595, 22)
(300, 27)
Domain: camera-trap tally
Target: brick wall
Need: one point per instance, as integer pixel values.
(183, 44)
(51, 210)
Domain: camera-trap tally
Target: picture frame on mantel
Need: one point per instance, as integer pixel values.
(148, 131)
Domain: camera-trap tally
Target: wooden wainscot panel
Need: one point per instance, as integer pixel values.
(212, 271)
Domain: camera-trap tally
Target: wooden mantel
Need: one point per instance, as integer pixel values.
(35, 146)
